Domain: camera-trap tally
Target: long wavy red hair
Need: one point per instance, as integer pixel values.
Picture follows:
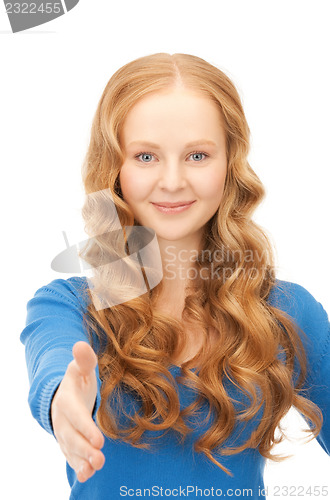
(136, 344)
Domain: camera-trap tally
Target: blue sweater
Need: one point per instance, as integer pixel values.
(54, 325)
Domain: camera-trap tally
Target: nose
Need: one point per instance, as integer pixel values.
(172, 176)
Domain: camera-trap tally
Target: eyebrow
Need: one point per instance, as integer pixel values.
(189, 145)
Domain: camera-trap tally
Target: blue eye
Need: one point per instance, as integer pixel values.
(144, 154)
(150, 155)
(199, 153)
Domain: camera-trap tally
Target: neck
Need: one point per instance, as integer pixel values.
(178, 259)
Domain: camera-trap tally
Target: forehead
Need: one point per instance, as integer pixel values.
(190, 113)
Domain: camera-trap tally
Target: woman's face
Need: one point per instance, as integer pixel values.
(163, 166)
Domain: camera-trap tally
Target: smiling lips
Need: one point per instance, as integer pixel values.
(173, 205)
(169, 208)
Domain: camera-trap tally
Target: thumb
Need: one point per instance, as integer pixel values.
(85, 357)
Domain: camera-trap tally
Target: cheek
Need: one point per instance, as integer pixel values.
(212, 185)
(133, 185)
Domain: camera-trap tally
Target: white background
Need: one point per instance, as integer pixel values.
(52, 77)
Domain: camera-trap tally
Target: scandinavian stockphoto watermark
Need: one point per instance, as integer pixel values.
(26, 15)
(130, 257)
(220, 263)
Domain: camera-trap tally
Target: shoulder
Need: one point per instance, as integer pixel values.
(292, 294)
(308, 313)
(73, 290)
(298, 302)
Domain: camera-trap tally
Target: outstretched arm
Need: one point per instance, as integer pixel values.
(59, 361)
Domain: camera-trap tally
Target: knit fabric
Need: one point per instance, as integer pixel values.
(54, 324)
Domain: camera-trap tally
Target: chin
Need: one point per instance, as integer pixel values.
(169, 235)
(173, 237)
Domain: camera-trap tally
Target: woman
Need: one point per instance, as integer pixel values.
(188, 381)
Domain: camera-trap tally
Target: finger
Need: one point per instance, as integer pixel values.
(83, 423)
(82, 468)
(85, 357)
(78, 450)
(85, 472)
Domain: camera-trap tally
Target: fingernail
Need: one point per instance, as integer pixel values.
(91, 461)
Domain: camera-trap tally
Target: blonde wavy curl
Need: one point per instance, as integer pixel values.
(138, 343)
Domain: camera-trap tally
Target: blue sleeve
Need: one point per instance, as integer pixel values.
(54, 324)
(311, 317)
(317, 327)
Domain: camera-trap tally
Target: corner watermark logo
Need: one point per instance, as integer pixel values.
(26, 15)
(132, 263)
